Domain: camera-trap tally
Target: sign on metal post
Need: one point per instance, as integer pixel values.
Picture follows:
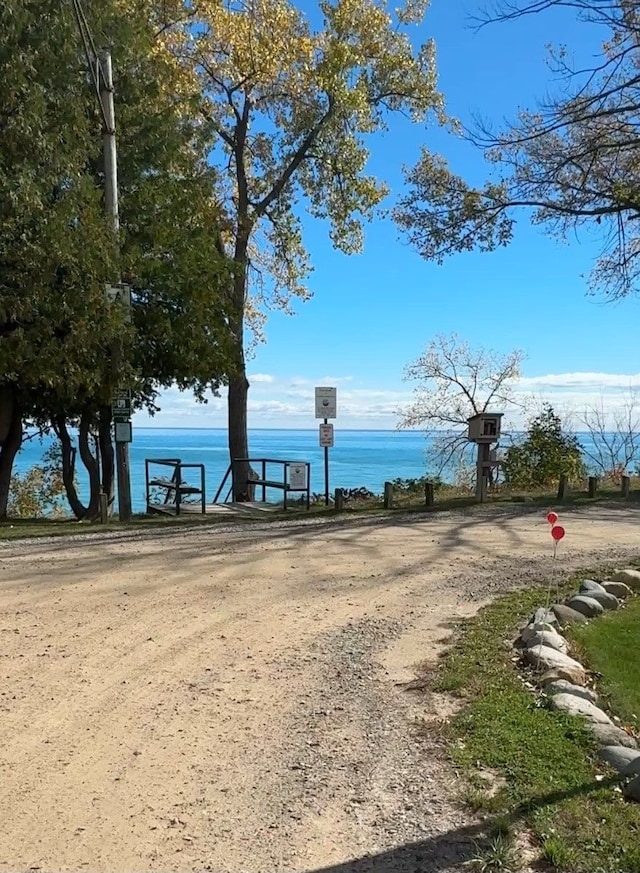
(326, 436)
(121, 405)
(124, 431)
(297, 476)
(326, 407)
(326, 403)
(120, 294)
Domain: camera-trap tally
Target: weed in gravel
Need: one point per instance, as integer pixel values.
(498, 854)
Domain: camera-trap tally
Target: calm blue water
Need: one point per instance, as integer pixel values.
(359, 458)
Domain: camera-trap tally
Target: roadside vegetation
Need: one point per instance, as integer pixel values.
(528, 769)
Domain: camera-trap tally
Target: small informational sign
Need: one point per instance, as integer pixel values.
(297, 475)
(121, 405)
(326, 436)
(124, 432)
(326, 403)
(120, 294)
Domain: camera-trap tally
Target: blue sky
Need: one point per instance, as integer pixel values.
(372, 314)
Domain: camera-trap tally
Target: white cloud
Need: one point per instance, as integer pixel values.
(282, 402)
(586, 381)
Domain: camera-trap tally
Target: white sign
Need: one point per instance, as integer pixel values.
(124, 432)
(297, 475)
(326, 436)
(326, 403)
(120, 294)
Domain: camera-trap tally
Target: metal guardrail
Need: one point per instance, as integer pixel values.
(175, 487)
(265, 481)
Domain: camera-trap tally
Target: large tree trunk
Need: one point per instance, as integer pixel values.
(68, 467)
(243, 491)
(11, 427)
(90, 461)
(238, 437)
(107, 456)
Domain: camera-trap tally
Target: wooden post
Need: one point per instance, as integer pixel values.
(562, 487)
(388, 495)
(338, 499)
(484, 451)
(429, 497)
(625, 486)
(593, 486)
(103, 504)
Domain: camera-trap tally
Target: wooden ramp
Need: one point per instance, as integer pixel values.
(251, 508)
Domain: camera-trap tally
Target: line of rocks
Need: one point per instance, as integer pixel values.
(564, 679)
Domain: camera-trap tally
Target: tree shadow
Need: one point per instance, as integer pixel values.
(450, 852)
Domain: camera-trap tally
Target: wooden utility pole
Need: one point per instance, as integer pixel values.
(111, 206)
(101, 73)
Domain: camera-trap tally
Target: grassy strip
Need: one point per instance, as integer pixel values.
(611, 647)
(547, 759)
(27, 528)
(448, 499)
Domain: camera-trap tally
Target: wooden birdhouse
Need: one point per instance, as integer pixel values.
(485, 427)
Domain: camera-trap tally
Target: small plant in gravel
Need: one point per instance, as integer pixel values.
(498, 854)
(556, 851)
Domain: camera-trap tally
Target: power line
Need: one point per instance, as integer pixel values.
(91, 53)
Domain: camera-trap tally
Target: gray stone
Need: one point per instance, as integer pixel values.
(545, 658)
(629, 577)
(610, 735)
(544, 638)
(566, 615)
(531, 630)
(606, 600)
(573, 705)
(591, 585)
(632, 789)
(619, 757)
(618, 589)
(633, 767)
(543, 615)
(561, 686)
(564, 674)
(586, 605)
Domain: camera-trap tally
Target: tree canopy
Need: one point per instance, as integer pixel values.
(571, 162)
(58, 249)
(292, 98)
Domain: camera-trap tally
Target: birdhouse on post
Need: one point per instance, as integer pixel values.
(484, 429)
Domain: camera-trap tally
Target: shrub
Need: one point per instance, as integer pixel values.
(39, 491)
(545, 453)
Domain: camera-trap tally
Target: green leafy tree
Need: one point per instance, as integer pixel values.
(571, 162)
(56, 330)
(292, 105)
(55, 249)
(546, 452)
(38, 492)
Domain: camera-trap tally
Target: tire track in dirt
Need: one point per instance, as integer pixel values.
(236, 709)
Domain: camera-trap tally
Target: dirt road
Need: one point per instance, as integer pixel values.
(226, 699)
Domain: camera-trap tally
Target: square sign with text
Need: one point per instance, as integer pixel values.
(326, 436)
(326, 403)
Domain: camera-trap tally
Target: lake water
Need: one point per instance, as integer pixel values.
(359, 458)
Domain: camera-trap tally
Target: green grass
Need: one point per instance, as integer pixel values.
(611, 647)
(582, 824)
(452, 497)
(24, 528)
(448, 498)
